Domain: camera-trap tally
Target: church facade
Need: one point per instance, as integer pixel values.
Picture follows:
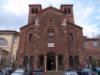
(51, 41)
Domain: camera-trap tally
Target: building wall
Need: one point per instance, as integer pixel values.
(92, 49)
(12, 40)
(68, 37)
(64, 39)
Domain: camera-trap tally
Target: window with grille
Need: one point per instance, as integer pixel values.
(73, 60)
(50, 32)
(40, 60)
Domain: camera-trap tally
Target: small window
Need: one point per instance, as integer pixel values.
(50, 44)
(30, 36)
(71, 36)
(95, 44)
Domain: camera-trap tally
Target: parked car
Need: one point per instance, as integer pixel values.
(7, 70)
(97, 69)
(19, 71)
(1, 72)
(37, 72)
(87, 71)
(70, 72)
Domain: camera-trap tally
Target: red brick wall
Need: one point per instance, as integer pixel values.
(39, 41)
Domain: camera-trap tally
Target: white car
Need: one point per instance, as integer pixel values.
(18, 72)
(70, 72)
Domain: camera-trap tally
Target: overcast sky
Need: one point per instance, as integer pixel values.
(14, 13)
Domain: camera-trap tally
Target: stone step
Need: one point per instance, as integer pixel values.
(53, 73)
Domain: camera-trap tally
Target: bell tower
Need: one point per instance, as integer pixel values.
(34, 9)
(67, 10)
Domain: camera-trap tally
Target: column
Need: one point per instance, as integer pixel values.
(56, 63)
(45, 63)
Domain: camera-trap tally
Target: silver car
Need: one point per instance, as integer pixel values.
(87, 71)
(70, 72)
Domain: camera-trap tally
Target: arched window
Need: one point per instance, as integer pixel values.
(40, 61)
(3, 42)
(50, 31)
(34, 10)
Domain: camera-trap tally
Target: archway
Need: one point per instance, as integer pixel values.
(51, 64)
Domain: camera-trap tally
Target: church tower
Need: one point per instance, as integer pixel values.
(67, 10)
(34, 10)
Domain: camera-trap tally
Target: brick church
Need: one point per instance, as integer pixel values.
(51, 41)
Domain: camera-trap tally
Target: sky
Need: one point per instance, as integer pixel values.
(14, 13)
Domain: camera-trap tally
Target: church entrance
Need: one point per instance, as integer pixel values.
(51, 63)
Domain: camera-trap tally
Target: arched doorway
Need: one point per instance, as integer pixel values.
(51, 64)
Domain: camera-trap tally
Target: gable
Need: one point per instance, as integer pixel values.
(51, 10)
